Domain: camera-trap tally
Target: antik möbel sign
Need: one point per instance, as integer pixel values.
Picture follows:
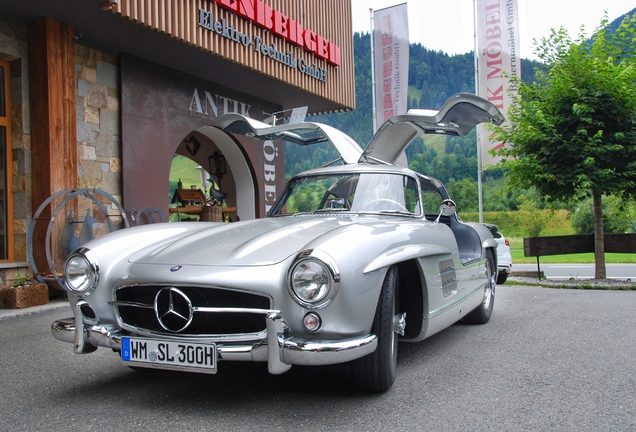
(283, 27)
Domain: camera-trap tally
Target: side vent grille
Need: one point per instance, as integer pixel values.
(448, 277)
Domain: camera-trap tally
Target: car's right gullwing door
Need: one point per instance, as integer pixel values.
(459, 115)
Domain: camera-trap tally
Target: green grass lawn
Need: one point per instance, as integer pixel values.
(516, 250)
(185, 169)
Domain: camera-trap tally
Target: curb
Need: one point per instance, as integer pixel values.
(51, 305)
(530, 274)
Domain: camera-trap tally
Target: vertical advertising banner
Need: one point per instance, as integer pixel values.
(390, 62)
(497, 56)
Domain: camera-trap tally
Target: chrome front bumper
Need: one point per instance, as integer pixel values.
(279, 350)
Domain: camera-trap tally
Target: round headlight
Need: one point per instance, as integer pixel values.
(310, 281)
(80, 275)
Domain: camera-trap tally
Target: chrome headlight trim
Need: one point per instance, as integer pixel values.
(86, 284)
(331, 273)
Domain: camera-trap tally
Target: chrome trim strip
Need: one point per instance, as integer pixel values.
(448, 271)
(207, 309)
(449, 283)
(438, 311)
(132, 304)
(204, 309)
(234, 337)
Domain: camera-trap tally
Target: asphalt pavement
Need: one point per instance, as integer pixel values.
(548, 360)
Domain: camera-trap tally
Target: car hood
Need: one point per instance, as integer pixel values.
(258, 242)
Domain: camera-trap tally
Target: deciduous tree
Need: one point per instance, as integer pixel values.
(572, 133)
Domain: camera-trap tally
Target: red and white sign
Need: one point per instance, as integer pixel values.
(497, 56)
(391, 62)
(284, 27)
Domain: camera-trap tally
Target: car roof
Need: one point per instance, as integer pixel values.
(459, 115)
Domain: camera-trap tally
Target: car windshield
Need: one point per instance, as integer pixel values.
(356, 193)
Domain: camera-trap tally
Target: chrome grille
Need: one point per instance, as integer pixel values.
(237, 312)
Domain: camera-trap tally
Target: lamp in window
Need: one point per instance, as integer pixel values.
(217, 169)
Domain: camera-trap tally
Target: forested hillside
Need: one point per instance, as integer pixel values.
(433, 77)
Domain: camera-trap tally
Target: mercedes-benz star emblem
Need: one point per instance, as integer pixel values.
(173, 309)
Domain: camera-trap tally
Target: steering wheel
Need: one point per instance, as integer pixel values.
(384, 204)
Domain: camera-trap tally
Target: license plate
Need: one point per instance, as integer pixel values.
(170, 355)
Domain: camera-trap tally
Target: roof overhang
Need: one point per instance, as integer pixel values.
(111, 33)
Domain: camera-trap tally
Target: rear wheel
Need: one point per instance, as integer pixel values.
(501, 278)
(482, 313)
(377, 371)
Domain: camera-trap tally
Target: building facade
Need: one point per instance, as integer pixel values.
(101, 95)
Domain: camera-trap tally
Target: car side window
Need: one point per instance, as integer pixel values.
(411, 198)
(431, 198)
(306, 195)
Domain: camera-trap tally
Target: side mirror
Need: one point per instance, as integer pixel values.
(446, 208)
(338, 203)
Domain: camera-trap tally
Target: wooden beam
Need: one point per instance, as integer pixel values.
(53, 94)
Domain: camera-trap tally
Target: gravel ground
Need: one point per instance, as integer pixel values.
(599, 284)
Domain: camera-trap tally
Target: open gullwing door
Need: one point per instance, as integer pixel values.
(304, 133)
(459, 115)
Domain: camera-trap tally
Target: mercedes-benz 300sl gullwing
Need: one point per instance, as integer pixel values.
(354, 257)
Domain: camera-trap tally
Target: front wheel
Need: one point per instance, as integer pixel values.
(377, 371)
(483, 312)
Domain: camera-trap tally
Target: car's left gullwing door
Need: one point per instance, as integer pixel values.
(459, 115)
(304, 133)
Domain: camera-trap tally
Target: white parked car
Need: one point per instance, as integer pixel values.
(504, 259)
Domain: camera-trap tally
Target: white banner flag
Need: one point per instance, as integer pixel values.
(497, 54)
(391, 62)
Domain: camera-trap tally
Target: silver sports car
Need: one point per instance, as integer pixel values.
(354, 257)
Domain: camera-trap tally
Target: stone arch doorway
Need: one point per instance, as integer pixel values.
(239, 182)
(159, 110)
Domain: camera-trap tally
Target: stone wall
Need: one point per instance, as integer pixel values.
(98, 135)
(98, 129)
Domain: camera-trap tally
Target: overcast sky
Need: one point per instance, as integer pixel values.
(447, 25)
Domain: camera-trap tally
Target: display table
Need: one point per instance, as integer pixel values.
(198, 210)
